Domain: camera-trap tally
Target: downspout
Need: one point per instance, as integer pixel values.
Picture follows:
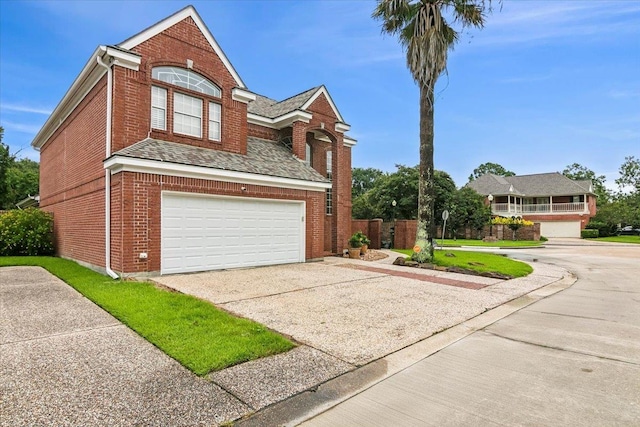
(107, 174)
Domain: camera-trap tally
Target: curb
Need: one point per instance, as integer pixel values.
(308, 404)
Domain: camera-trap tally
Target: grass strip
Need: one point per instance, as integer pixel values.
(478, 261)
(200, 336)
(619, 239)
(496, 244)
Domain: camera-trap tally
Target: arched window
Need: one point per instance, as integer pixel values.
(190, 113)
(187, 79)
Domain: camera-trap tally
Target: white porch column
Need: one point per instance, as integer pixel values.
(550, 204)
(586, 205)
(509, 204)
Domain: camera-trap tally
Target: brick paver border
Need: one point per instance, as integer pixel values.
(423, 277)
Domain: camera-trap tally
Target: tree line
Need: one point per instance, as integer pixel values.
(390, 196)
(374, 192)
(19, 178)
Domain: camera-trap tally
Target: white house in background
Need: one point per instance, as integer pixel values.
(561, 205)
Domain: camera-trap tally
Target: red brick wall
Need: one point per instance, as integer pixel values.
(323, 120)
(72, 179)
(263, 132)
(132, 90)
(372, 228)
(405, 233)
(140, 214)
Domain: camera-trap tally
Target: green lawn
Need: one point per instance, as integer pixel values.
(498, 244)
(619, 239)
(194, 332)
(490, 262)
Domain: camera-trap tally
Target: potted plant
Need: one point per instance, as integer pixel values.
(355, 243)
(365, 244)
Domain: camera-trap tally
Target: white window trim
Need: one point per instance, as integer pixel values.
(176, 112)
(218, 121)
(162, 108)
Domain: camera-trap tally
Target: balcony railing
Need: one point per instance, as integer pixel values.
(505, 209)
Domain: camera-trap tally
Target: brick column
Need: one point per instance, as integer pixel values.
(342, 193)
(299, 136)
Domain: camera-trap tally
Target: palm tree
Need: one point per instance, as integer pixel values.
(427, 37)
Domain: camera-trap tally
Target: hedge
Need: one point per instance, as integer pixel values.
(589, 234)
(26, 232)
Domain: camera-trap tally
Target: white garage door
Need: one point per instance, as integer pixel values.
(560, 228)
(210, 233)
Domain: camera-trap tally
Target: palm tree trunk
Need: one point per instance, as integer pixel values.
(423, 248)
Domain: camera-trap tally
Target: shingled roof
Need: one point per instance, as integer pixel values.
(542, 184)
(263, 158)
(271, 108)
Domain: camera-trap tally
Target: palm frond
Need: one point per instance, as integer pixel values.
(425, 33)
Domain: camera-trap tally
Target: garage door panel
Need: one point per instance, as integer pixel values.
(560, 228)
(207, 233)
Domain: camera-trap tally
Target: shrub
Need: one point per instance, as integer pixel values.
(543, 239)
(604, 229)
(589, 234)
(26, 232)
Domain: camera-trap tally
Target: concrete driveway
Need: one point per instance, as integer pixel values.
(66, 362)
(353, 310)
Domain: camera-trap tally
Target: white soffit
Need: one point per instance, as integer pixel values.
(348, 142)
(118, 164)
(281, 121)
(187, 12)
(242, 95)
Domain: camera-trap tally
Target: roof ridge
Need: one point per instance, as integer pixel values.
(314, 89)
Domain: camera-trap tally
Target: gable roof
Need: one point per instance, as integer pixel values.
(542, 184)
(187, 12)
(263, 158)
(272, 109)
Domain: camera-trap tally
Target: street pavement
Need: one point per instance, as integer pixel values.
(572, 359)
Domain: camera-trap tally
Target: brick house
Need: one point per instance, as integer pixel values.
(561, 205)
(159, 160)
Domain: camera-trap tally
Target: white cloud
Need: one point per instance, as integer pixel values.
(624, 93)
(542, 21)
(526, 79)
(25, 109)
(21, 127)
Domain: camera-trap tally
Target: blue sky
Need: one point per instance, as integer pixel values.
(543, 85)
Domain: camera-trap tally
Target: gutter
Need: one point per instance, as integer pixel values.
(107, 173)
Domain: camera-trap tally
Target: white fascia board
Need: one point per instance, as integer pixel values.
(242, 95)
(281, 121)
(118, 164)
(342, 127)
(323, 90)
(124, 59)
(349, 142)
(170, 21)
